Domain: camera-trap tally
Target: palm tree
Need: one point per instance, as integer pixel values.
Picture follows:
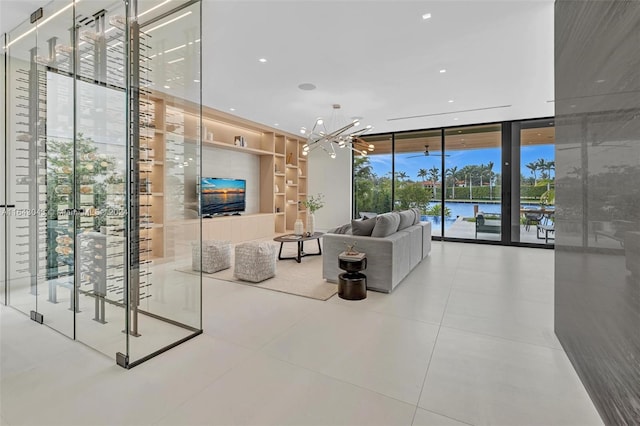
(402, 175)
(434, 173)
(533, 166)
(550, 165)
(490, 173)
(451, 172)
(422, 173)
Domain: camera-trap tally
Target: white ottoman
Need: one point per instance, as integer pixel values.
(216, 256)
(255, 261)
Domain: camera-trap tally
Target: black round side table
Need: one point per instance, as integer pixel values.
(352, 284)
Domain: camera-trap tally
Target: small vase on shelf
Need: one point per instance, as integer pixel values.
(311, 222)
(298, 227)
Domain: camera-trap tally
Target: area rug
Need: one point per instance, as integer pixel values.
(301, 279)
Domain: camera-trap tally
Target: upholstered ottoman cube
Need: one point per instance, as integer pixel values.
(255, 261)
(216, 256)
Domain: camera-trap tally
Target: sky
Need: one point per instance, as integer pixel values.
(382, 163)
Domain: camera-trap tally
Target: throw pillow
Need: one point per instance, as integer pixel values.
(344, 229)
(418, 215)
(386, 224)
(363, 227)
(407, 217)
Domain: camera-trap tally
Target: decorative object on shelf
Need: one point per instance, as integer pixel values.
(299, 172)
(239, 141)
(276, 188)
(298, 227)
(351, 250)
(289, 158)
(289, 182)
(342, 135)
(313, 203)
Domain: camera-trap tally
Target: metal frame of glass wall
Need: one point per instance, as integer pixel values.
(102, 147)
(518, 208)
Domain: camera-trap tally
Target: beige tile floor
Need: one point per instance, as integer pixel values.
(467, 338)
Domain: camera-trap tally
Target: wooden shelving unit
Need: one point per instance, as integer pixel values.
(283, 169)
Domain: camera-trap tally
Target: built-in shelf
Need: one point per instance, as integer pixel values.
(279, 193)
(279, 174)
(230, 147)
(279, 214)
(152, 194)
(302, 177)
(292, 184)
(291, 166)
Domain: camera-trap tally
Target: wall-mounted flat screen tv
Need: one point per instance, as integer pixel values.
(220, 196)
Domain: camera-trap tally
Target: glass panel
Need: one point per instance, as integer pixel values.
(418, 169)
(100, 172)
(534, 183)
(22, 121)
(474, 155)
(3, 188)
(372, 183)
(56, 292)
(168, 303)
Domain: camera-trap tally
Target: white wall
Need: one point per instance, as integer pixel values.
(223, 163)
(331, 177)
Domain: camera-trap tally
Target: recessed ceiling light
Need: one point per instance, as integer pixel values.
(600, 81)
(303, 130)
(442, 71)
(263, 60)
(276, 124)
(450, 101)
(196, 81)
(426, 16)
(306, 86)
(455, 119)
(167, 87)
(232, 109)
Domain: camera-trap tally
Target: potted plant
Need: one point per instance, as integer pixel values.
(312, 203)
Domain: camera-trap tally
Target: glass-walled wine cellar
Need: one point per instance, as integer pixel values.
(101, 153)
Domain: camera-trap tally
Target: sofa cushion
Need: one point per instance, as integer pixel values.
(407, 218)
(363, 227)
(418, 215)
(386, 224)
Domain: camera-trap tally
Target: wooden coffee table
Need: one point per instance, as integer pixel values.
(300, 239)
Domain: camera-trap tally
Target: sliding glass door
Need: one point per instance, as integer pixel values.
(489, 182)
(472, 201)
(533, 184)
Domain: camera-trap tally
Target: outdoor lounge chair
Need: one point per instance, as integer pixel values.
(543, 231)
(532, 219)
(492, 226)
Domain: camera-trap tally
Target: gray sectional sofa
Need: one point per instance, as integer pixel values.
(391, 254)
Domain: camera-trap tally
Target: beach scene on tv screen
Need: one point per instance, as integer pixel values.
(222, 195)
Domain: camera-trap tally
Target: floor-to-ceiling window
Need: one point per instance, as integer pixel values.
(372, 177)
(533, 184)
(473, 203)
(472, 182)
(418, 174)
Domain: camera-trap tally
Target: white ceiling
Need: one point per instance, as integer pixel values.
(378, 59)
